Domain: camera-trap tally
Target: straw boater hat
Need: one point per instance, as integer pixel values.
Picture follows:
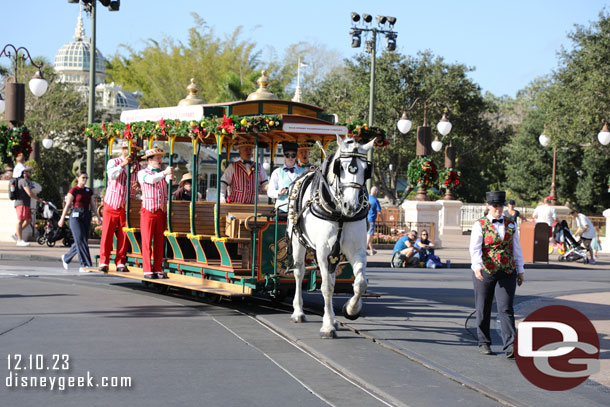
(186, 177)
(306, 145)
(125, 144)
(153, 152)
(244, 143)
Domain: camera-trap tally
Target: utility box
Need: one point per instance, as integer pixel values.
(534, 238)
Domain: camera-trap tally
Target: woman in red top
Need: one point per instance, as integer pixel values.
(79, 199)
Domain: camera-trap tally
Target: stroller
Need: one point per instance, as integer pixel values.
(573, 251)
(52, 232)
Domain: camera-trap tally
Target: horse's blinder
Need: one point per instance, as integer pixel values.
(352, 168)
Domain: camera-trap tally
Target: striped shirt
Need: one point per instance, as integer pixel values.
(154, 189)
(240, 177)
(117, 180)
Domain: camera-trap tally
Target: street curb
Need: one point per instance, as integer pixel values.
(27, 257)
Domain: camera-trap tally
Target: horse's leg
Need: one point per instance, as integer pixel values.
(298, 254)
(328, 329)
(355, 251)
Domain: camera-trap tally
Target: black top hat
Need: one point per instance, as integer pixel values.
(496, 197)
(288, 146)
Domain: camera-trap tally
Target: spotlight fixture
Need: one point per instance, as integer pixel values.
(391, 21)
(391, 41)
(105, 3)
(355, 39)
(367, 18)
(355, 17)
(114, 5)
(382, 19)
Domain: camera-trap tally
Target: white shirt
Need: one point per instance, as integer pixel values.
(582, 221)
(476, 244)
(545, 213)
(18, 170)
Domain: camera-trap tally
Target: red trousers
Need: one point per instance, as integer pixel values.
(152, 226)
(113, 219)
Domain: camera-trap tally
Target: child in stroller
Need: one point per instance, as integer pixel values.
(573, 251)
(52, 233)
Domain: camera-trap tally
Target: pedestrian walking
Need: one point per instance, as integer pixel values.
(78, 204)
(374, 210)
(586, 231)
(25, 194)
(153, 215)
(497, 265)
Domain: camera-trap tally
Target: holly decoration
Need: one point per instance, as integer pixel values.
(204, 128)
(422, 172)
(14, 140)
(449, 178)
(363, 133)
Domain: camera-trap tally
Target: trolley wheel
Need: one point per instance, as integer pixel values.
(41, 240)
(50, 243)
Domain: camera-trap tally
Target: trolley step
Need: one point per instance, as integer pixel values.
(186, 282)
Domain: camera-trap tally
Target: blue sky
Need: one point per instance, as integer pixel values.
(509, 43)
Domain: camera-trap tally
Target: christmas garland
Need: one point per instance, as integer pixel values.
(207, 127)
(609, 184)
(422, 172)
(364, 133)
(14, 140)
(449, 178)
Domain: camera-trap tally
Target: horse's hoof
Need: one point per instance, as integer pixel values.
(297, 319)
(328, 335)
(348, 316)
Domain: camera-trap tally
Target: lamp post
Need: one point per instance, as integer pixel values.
(544, 140)
(371, 47)
(14, 106)
(424, 143)
(90, 6)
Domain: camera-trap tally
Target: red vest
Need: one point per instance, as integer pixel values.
(497, 255)
(154, 196)
(115, 191)
(242, 184)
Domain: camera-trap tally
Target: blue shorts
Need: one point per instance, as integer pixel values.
(371, 230)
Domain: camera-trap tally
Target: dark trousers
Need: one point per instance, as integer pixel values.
(80, 230)
(502, 286)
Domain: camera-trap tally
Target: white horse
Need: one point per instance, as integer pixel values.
(345, 174)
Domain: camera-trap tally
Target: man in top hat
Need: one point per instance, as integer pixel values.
(497, 263)
(303, 156)
(153, 216)
(283, 176)
(114, 217)
(240, 176)
(185, 192)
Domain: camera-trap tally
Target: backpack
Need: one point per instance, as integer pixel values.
(13, 189)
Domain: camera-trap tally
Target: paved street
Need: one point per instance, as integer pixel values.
(410, 348)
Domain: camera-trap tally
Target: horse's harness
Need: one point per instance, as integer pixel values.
(326, 200)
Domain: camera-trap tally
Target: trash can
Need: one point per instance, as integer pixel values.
(534, 238)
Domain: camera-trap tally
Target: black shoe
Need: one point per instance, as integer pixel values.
(161, 275)
(104, 269)
(122, 269)
(150, 276)
(485, 349)
(510, 354)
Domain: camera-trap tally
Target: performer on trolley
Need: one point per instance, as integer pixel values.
(303, 155)
(153, 216)
(240, 177)
(113, 220)
(283, 176)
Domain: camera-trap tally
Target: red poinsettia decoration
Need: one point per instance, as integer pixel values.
(228, 125)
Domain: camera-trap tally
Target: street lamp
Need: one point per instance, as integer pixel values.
(90, 7)
(604, 135)
(371, 47)
(14, 106)
(424, 139)
(544, 140)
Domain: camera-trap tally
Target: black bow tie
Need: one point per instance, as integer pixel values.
(497, 221)
(289, 169)
(246, 162)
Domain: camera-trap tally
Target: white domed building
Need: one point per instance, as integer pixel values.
(72, 64)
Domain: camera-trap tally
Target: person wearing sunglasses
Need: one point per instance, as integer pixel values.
(497, 265)
(283, 176)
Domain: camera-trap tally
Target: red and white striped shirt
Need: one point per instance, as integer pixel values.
(117, 180)
(241, 179)
(154, 189)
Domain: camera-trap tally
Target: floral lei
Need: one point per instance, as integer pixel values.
(449, 178)
(422, 172)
